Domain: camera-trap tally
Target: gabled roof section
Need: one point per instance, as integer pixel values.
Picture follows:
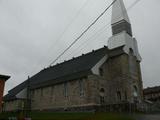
(70, 70)
(119, 12)
(13, 92)
(18, 88)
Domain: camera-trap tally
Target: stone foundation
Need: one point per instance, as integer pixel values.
(121, 107)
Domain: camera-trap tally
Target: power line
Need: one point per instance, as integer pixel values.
(85, 46)
(134, 3)
(61, 35)
(107, 26)
(83, 33)
(95, 35)
(70, 23)
(64, 31)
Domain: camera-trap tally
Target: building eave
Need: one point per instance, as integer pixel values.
(4, 77)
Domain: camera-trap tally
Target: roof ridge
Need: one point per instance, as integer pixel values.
(73, 58)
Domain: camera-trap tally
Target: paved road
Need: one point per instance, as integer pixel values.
(148, 117)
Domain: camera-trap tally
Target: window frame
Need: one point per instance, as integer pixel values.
(65, 92)
(81, 87)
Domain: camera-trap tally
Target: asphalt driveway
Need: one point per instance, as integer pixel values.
(148, 117)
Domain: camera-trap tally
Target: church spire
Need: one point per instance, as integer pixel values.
(120, 20)
(122, 31)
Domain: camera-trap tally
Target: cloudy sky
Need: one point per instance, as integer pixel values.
(34, 32)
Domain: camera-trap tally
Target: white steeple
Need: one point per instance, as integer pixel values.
(120, 20)
(122, 31)
(119, 12)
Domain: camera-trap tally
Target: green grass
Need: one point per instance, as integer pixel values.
(72, 116)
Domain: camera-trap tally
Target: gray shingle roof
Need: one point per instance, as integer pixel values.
(73, 69)
(69, 70)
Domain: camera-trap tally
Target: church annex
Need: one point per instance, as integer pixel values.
(109, 75)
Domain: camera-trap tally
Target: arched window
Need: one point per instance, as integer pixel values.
(81, 87)
(135, 91)
(131, 51)
(65, 89)
(102, 99)
(51, 93)
(119, 97)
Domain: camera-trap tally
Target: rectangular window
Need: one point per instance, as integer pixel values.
(65, 89)
(81, 87)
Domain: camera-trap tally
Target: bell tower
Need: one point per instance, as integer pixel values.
(122, 30)
(127, 78)
(3, 79)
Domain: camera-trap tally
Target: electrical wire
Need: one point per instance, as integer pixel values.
(63, 32)
(108, 26)
(89, 28)
(86, 30)
(95, 35)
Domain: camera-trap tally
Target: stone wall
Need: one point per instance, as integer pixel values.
(120, 75)
(121, 78)
(54, 97)
(116, 83)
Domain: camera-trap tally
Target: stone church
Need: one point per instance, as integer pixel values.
(109, 75)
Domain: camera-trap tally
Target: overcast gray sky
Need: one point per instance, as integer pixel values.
(34, 32)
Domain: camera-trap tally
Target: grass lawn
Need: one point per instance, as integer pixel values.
(72, 116)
